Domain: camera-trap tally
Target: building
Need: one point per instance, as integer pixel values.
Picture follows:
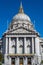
(0, 45)
(22, 45)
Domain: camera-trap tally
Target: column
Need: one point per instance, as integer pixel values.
(32, 61)
(6, 45)
(10, 45)
(9, 61)
(32, 45)
(25, 61)
(17, 46)
(16, 60)
(25, 48)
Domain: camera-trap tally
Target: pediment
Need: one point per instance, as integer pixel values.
(20, 30)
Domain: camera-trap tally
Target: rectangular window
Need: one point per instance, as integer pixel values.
(13, 61)
(29, 61)
(28, 44)
(21, 61)
(21, 44)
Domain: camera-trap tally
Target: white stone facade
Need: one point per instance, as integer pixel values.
(21, 43)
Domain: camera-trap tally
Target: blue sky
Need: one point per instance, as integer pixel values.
(33, 8)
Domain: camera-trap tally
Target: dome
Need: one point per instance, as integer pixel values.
(21, 20)
(21, 16)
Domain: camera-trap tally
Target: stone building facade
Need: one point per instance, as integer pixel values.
(22, 45)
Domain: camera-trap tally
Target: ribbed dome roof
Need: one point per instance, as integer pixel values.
(21, 16)
(21, 19)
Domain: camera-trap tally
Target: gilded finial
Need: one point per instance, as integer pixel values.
(21, 8)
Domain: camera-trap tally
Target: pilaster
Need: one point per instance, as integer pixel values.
(9, 61)
(32, 45)
(25, 48)
(9, 45)
(32, 61)
(17, 46)
(16, 60)
(25, 61)
(6, 45)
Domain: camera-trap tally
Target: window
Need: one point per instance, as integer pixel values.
(21, 42)
(13, 45)
(28, 45)
(21, 61)
(13, 41)
(21, 49)
(28, 41)
(13, 61)
(13, 49)
(28, 49)
(29, 61)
